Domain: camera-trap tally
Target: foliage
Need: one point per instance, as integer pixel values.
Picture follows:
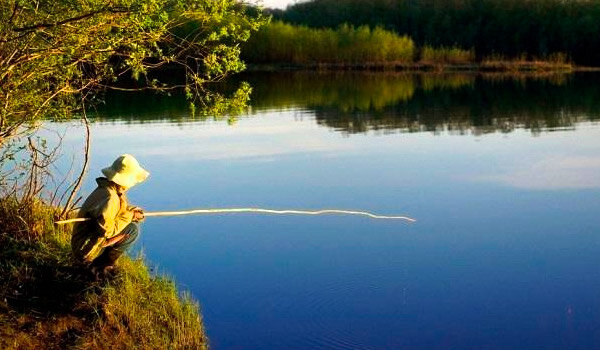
(537, 28)
(48, 302)
(279, 42)
(25, 220)
(554, 62)
(54, 54)
(451, 55)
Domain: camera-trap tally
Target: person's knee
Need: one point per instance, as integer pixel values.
(132, 231)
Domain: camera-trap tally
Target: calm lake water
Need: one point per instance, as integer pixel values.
(502, 174)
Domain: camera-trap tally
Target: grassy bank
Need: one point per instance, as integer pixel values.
(48, 302)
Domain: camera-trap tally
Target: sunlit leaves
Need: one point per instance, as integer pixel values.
(54, 53)
(279, 42)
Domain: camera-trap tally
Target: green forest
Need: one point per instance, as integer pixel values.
(512, 29)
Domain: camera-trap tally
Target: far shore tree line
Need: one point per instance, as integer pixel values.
(283, 43)
(564, 30)
(279, 42)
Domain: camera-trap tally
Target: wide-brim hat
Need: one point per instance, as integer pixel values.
(125, 171)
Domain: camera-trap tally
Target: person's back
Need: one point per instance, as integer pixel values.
(112, 225)
(108, 211)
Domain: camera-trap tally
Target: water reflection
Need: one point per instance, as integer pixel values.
(551, 173)
(505, 251)
(375, 102)
(457, 103)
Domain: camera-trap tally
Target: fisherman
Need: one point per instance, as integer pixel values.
(114, 224)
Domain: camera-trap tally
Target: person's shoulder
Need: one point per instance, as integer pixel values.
(101, 195)
(103, 191)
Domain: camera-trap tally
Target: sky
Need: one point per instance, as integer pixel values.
(277, 3)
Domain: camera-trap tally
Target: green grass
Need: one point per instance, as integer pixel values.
(49, 302)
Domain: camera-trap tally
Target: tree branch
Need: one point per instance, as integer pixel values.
(56, 24)
(69, 20)
(69, 205)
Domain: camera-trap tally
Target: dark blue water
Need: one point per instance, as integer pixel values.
(505, 188)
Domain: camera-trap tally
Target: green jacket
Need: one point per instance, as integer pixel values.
(109, 212)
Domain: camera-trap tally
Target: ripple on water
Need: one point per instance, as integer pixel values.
(323, 315)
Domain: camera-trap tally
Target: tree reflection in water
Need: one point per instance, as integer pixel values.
(357, 102)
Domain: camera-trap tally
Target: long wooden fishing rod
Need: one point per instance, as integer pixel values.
(259, 210)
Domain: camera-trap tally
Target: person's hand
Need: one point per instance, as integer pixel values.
(138, 214)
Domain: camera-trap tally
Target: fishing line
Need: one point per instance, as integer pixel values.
(259, 210)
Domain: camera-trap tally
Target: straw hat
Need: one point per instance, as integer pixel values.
(125, 171)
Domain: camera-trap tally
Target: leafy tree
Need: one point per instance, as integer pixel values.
(280, 42)
(55, 55)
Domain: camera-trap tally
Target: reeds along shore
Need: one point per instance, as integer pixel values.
(280, 46)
